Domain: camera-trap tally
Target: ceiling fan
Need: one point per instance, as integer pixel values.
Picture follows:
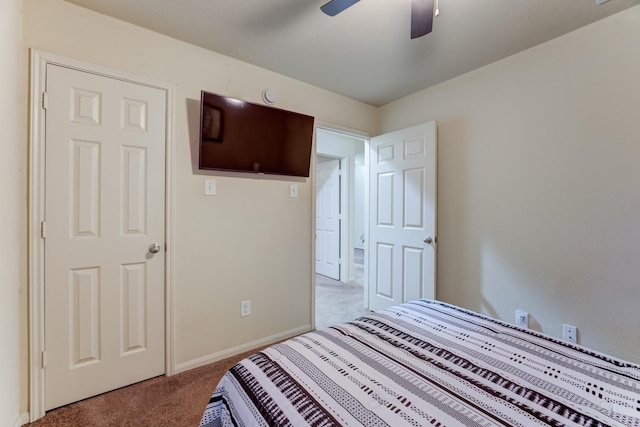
(422, 12)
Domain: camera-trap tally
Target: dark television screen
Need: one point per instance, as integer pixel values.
(240, 136)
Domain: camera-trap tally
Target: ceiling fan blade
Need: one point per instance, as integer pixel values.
(421, 17)
(334, 7)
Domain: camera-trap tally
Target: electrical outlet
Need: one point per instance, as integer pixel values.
(570, 333)
(522, 319)
(245, 308)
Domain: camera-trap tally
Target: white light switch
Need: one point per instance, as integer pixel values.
(293, 190)
(209, 187)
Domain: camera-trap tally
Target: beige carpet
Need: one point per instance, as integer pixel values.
(176, 401)
(338, 302)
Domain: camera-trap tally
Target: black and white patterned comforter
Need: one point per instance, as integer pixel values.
(426, 363)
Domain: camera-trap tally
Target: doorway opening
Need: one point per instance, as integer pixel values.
(340, 227)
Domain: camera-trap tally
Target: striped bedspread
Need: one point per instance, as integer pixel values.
(426, 363)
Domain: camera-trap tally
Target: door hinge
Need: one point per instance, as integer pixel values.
(43, 230)
(43, 359)
(45, 100)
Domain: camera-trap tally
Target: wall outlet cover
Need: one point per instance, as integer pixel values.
(522, 319)
(570, 334)
(245, 308)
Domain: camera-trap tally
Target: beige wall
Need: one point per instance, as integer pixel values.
(251, 241)
(539, 184)
(13, 215)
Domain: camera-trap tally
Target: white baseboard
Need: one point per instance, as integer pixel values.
(22, 420)
(210, 358)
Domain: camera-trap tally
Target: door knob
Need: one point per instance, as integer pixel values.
(428, 240)
(154, 248)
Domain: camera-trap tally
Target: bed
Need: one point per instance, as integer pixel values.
(426, 363)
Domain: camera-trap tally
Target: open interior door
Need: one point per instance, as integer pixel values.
(402, 216)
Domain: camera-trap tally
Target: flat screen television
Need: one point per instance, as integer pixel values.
(240, 136)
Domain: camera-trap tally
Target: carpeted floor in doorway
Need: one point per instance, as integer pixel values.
(338, 302)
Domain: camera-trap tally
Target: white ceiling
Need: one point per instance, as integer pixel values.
(364, 53)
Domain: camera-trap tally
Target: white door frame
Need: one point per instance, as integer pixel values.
(39, 61)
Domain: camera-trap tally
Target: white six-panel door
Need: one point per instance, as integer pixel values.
(104, 287)
(402, 211)
(328, 218)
